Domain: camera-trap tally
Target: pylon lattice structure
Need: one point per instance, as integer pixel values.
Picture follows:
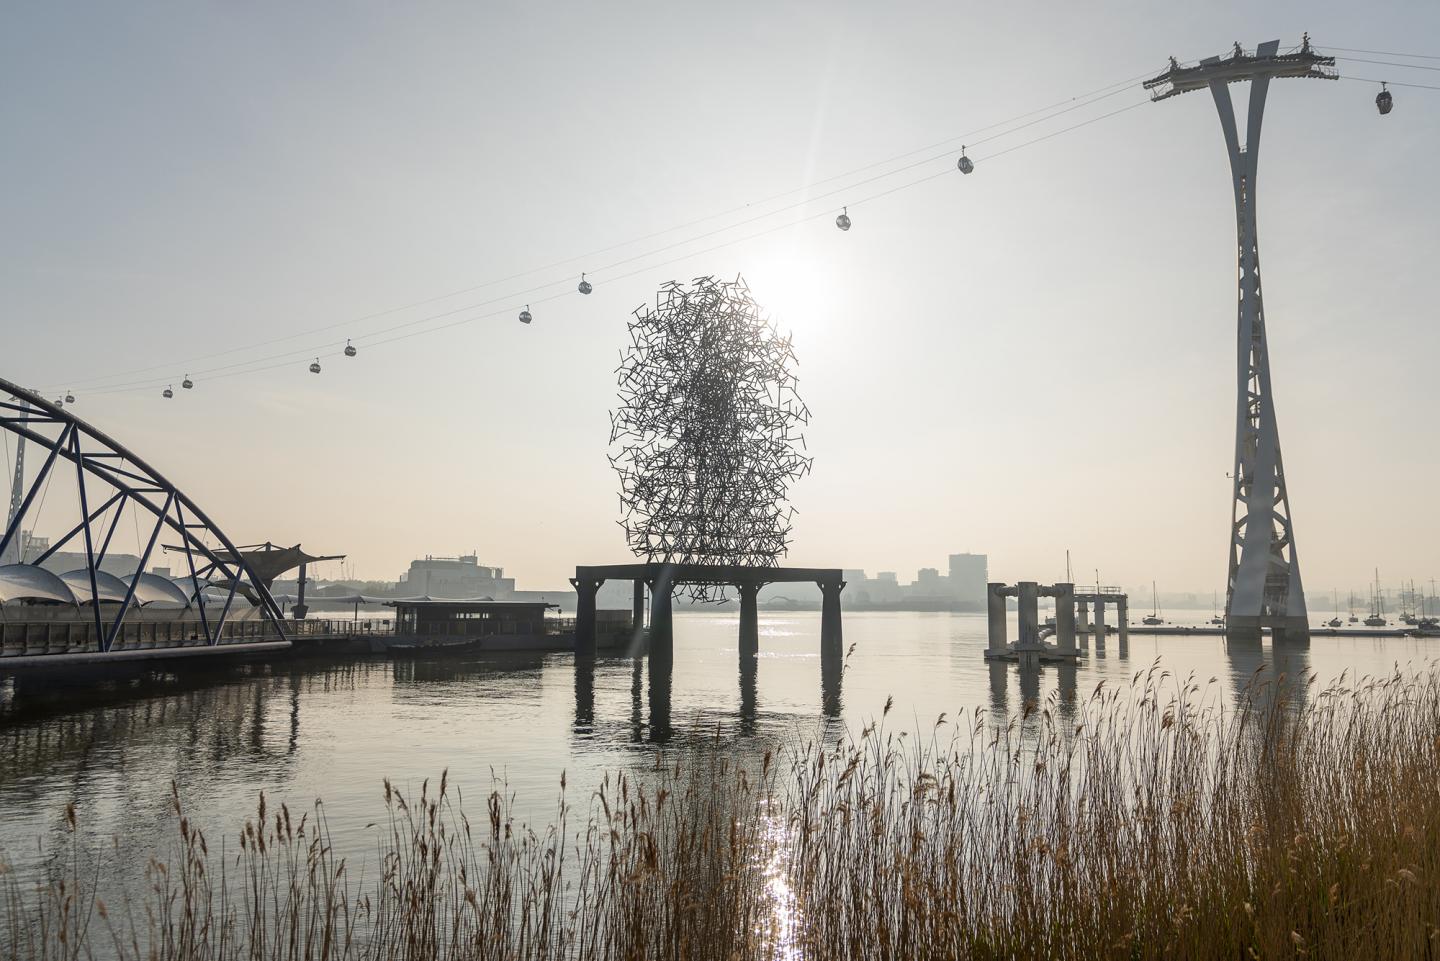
(1263, 588)
(709, 426)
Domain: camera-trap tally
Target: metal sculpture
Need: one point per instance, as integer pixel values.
(1264, 588)
(709, 426)
(108, 478)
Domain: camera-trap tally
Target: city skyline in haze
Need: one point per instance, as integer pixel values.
(1032, 358)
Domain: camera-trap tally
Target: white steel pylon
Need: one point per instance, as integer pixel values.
(1263, 589)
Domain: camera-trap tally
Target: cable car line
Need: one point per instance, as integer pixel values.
(1395, 83)
(377, 337)
(1391, 63)
(946, 172)
(1059, 108)
(1383, 53)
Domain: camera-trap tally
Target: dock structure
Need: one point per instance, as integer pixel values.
(1032, 641)
(660, 579)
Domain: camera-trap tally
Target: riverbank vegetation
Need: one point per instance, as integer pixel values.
(1160, 821)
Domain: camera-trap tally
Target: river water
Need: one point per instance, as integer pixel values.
(303, 729)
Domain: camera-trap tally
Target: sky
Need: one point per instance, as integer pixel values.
(1035, 358)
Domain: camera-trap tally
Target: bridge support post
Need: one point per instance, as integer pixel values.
(750, 621)
(995, 606)
(637, 606)
(1099, 624)
(832, 639)
(662, 621)
(1028, 610)
(1065, 618)
(585, 591)
(1122, 615)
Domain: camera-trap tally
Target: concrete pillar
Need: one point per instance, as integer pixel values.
(749, 621)
(585, 615)
(1122, 614)
(1065, 618)
(1028, 610)
(832, 638)
(832, 647)
(831, 674)
(637, 606)
(1099, 624)
(662, 622)
(995, 605)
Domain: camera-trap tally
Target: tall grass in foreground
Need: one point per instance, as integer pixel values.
(1157, 821)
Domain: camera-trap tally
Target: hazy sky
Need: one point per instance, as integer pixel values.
(1039, 356)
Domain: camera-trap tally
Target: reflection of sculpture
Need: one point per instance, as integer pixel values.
(709, 422)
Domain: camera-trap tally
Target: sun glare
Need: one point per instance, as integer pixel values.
(793, 287)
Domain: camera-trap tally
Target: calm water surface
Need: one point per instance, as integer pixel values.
(305, 729)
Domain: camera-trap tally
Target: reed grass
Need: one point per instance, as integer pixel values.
(1162, 820)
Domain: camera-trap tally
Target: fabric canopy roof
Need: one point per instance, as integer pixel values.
(110, 588)
(26, 582)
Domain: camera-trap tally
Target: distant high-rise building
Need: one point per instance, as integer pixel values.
(968, 574)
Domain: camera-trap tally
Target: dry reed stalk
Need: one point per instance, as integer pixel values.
(1158, 821)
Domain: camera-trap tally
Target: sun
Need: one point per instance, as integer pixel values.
(794, 286)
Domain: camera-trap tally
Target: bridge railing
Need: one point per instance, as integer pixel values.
(331, 626)
(29, 638)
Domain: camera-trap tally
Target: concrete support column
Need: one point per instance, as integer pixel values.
(995, 606)
(832, 638)
(637, 606)
(1065, 618)
(750, 621)
(585, 591)
(1099, 624)
(1028, 610)
(662, 622)
(1122, 614)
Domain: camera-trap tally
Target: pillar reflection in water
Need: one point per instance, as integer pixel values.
(1292, 669)
(661, 671)
(749, 671)
(584, 695)
(999, 687)
(637, 703)
(1260, 681)
(1029, 670)
(1067, 681)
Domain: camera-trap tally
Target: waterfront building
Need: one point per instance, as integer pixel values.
(455, 577)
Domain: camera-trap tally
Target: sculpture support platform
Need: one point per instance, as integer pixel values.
(662, 579)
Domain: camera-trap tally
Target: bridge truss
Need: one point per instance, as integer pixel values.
(106, 479)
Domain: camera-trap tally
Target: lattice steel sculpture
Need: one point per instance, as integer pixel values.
(709, 430)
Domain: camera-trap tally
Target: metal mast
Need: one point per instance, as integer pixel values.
(1264, 587)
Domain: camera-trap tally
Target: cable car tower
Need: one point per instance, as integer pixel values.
(1264, 587)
